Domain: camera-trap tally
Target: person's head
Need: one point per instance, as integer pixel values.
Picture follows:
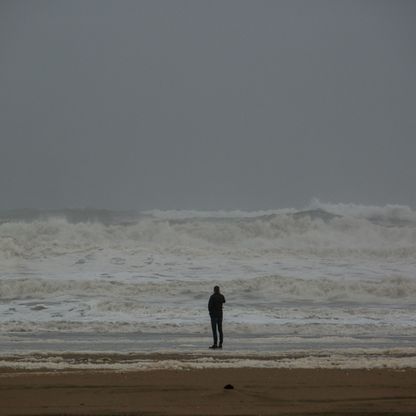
(216, 289)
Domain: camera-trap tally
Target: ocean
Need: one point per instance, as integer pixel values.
(330, 280)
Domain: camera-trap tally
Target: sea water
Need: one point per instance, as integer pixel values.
(331, 276)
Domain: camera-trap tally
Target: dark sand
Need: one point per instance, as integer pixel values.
(201, 392)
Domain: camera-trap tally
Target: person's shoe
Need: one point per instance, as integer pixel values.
(213, 347)
(220, 346)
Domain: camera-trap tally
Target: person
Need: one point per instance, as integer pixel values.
(215, 312)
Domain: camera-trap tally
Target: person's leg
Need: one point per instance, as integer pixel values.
(214, 329)
(219, 322)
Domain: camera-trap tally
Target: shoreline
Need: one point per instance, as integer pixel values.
(352, 358)
(201, 392)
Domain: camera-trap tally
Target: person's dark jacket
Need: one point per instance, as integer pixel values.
(215, 305)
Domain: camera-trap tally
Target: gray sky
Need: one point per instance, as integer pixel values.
(207, 104)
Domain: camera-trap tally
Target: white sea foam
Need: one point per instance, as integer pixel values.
(398, 358)
(279, 288)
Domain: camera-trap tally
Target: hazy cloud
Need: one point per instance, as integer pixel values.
(195, 104)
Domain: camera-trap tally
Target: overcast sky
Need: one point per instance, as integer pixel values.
(207, 104)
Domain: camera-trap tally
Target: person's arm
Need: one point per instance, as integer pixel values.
(210, 305)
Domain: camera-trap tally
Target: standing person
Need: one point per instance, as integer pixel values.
(215, 312)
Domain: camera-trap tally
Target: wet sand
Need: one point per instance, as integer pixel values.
(201, 392)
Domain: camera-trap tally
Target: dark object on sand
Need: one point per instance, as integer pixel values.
(229, 387)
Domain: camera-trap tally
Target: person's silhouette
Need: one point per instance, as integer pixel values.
(215, 312)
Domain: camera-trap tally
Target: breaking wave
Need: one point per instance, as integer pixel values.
(128, 296)
(321, 228)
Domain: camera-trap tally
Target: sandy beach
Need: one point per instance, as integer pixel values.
(201, 392)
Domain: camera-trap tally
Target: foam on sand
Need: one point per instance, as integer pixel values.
(398, 358)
